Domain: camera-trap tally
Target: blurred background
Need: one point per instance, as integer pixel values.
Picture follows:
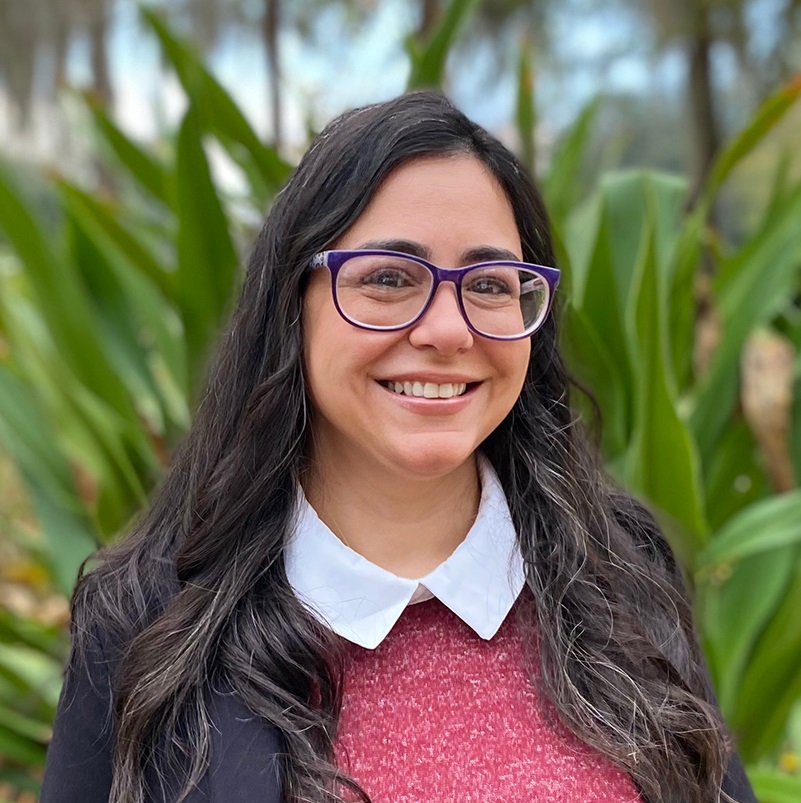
(140, 146)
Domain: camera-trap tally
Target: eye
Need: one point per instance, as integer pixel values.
(490, 285)
(388, 277)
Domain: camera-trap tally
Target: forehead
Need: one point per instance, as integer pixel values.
(447, 204)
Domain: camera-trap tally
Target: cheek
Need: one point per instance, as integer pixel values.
(514, 359)
(338, 357)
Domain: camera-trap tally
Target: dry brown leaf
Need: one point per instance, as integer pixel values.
(766, 390)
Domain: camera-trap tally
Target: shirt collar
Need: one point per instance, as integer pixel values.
(361, 602)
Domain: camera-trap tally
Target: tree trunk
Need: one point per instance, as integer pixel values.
(102, 88)
(270, 22)
(98, 47)
(703, 118)
(429, 14)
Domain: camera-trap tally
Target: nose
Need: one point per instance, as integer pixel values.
(442, 327)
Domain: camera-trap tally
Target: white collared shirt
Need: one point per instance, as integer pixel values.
(361, 601)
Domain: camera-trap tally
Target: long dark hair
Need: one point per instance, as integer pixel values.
(196, 597)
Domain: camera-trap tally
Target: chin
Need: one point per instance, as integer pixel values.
(432, 459)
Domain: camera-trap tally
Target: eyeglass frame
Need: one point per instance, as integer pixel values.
(335, 259)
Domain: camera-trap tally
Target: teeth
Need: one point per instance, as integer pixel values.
(428, 390)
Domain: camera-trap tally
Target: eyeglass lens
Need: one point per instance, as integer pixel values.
(388, 291)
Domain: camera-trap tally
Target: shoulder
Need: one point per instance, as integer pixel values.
(246, 754)
(245, 751)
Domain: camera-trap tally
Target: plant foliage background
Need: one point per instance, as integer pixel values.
(111, 299)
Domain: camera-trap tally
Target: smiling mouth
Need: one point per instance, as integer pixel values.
(428, 390)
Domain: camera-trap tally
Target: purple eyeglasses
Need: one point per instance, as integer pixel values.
(387, 291)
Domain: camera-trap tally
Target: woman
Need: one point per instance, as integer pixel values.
(384, 412)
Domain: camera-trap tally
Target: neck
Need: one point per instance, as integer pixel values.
(407, 526)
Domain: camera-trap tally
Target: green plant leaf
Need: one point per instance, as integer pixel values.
(135, 317)
(771, 683)
(61, 298)
(24, 435)
(525, 111)
(217, 113)
(759, 126)
(596, 303)
(597, 369)
(102, 218)
(733, 616)
(207, 260)
(146, 170)
(428, 58)
(764, 274)
(20, 749)
(734, 476)
(560, 184)
(771, 786)
(662, 463)
(764, 525)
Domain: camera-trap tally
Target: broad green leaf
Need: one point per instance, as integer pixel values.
(24, 435)
(735, 612)
(150, 289)
(560, 185)
(636, 202)
(758, 127)
(21, 749)
(595, 300)
(207, 260)
(39, 674)
(117, 316)
(24, 726)
(767, 270)
(428, 58)
(771, 786)
(525, 111)
(592, 363)
(771, 683)
(662, 463)
(765, 525)
(218, 114)
(46, 639)
(795, 426)
(76, 420)
(734, 475)
(108, 225)
(141, 165)
(135, 318)
(781, 188)
(61, 298)
(682, 303)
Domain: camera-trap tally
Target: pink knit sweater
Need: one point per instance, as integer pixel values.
(435, 714)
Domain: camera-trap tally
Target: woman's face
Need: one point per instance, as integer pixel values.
(447, 207)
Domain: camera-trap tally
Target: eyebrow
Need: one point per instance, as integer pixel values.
(478, 253)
